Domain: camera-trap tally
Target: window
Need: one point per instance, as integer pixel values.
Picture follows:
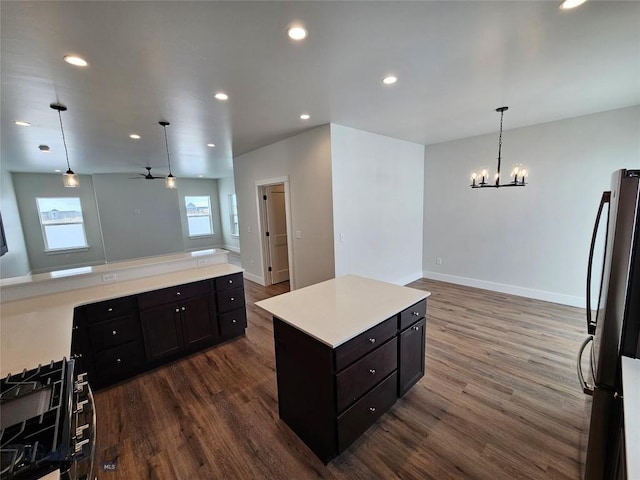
(233, 212)
(62, 223)
(198, 216)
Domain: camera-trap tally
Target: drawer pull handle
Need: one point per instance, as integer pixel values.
(76, 327)
(178, 293)
(114, 333)
(372, 371)
(184, 308)
(416, 328)
(118, 361)
(416, 313)
(109, 309)
(233, 321)
(232, 299)
(372, 340)
(177, 310)
(372, 409)
(230, 281)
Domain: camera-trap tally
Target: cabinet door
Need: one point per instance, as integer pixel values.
(161, 331)
(199, 324)
(411, 364)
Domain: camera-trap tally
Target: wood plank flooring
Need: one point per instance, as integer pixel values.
(499, 401)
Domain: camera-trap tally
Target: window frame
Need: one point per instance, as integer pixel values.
(210, 215)
(233, 212)
(52, 251)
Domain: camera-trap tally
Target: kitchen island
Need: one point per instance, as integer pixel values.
(346, 350)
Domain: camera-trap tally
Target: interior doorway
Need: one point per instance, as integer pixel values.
(275, 232)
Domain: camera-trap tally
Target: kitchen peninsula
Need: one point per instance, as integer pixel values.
(38, 329)
(346, 350)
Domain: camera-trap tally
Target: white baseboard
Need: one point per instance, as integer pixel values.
(407, 278)
(254, 278)
(570, 300)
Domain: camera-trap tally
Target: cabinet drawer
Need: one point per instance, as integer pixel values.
(365, 342)
(233, 323)
(413, 313)
(113, 332)
(118, 307)
(228, 281)
(362, 414)
(119, 361)
(172, 294)
(230, 300)
(352, 382)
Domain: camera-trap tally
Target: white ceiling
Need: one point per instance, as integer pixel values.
(163, 60)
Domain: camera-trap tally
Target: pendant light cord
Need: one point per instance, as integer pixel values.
(64, 140)
(166, 144)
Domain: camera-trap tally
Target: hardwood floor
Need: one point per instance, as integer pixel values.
(499, 401)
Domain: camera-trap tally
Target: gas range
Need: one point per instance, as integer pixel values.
(47, 423)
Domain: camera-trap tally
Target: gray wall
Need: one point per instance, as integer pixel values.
(15, 262)
(531, 241)
(27, 187)
(134, 219)
(378, 186)
(306, 160)
(140, 218)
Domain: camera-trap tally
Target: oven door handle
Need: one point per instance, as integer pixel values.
(586, 388)
(92, 455)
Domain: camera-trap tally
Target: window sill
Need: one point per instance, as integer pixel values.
(66, 250)
(235, 235)
(197, 237)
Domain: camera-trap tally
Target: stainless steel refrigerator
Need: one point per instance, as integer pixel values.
(615, 328)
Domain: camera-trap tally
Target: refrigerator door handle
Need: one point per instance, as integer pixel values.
(606, 198)
(586, 388)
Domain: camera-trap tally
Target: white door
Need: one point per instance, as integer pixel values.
(277, 233)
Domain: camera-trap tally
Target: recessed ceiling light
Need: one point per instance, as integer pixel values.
(569, 4)
(390, 80)
(20, 123)
(297, 32)
(57, 170)
(44, 148)
(305, 116)
(199, 176)
(75, 60)
(221, 96)
(211, 145)
(135, 136)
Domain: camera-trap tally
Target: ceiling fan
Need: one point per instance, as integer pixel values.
(147, 176)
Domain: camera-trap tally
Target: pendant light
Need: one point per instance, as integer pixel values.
(519, 171)
(170, 181)
(69, 179)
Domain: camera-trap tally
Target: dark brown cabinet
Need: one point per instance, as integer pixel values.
(411, 353)
(169, 329)
(115, 339)
(330, 396)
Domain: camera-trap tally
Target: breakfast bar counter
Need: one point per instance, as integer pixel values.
(346, 350)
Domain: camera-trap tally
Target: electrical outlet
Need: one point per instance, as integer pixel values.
(249, 228)
(342, 237)
(438, 261)
(298, 234)
(202, 262)
(108, 278)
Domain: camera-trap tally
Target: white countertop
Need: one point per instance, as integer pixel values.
(38, 329)
(338, 310)
(631, 402)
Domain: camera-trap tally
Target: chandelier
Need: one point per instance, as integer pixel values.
(479, 179)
